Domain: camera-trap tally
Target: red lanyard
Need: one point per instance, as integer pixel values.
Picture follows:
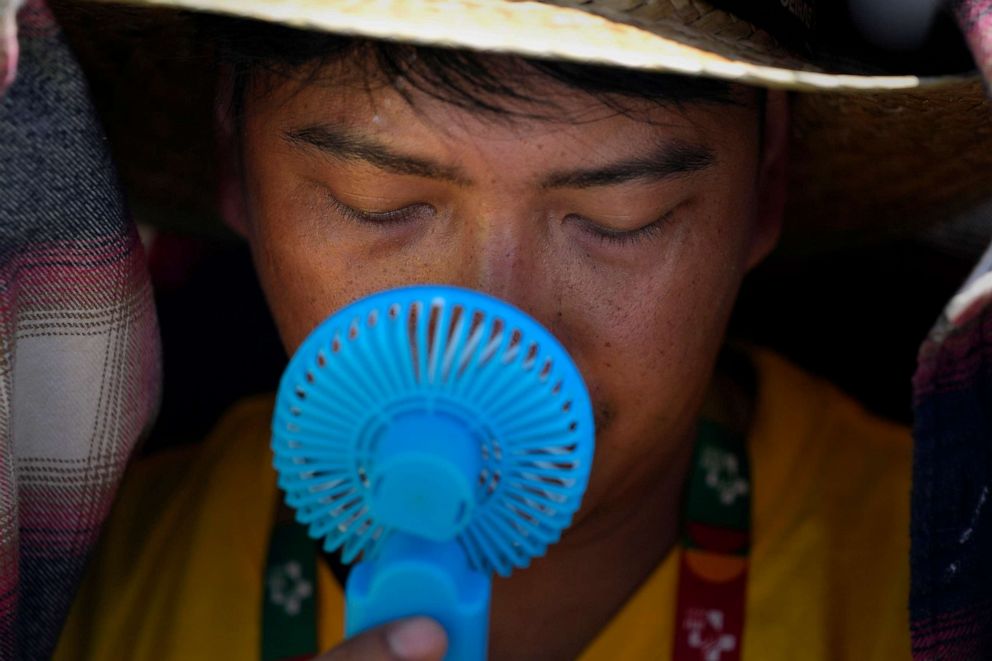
(716, 538)
(709, 611)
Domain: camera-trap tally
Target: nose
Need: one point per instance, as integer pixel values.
(506, 255)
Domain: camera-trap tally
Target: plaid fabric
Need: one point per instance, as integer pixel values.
(9, 49)
(951, 559)
(975, 19)
(79, 356)
(951, 563)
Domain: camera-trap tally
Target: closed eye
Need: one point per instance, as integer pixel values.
(392, 217)
(617, 237)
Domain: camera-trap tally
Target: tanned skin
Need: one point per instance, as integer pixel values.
(626, 234)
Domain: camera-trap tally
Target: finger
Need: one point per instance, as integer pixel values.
(415, 639)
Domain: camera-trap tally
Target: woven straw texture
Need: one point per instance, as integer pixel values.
(679, 36)
(864, 165)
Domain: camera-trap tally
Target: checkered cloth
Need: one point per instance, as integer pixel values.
(951, 559)
(79, 354)
(975, 19)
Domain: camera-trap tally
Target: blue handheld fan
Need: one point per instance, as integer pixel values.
(442, 435)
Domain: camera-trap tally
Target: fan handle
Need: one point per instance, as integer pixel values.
(414, 576)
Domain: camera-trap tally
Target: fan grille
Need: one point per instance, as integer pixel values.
(476, 359)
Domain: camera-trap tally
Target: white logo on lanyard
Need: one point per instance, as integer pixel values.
(723, 474)
(705, 633)
(288, 588)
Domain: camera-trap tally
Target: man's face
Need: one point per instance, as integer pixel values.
(626, 235)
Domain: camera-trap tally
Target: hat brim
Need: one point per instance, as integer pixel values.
(871, 155)
(887, 163)
(716, 44)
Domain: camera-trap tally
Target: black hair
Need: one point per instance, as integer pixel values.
(485, 83)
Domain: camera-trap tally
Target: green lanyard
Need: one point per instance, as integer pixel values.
(716, 525)
(289, 592)
(716, 540)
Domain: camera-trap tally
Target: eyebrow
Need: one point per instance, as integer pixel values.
(350, 146)
(667, 160)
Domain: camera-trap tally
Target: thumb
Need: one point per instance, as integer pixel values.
(413, 639)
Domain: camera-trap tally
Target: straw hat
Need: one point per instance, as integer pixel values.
(871, 148)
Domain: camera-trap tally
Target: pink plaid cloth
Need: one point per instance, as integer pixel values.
(951, 526)
(79, 354)
(975, 19)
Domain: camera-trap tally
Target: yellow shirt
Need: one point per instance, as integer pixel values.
(178, 574)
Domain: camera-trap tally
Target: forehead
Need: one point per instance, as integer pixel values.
(496, 88)
(499, 100)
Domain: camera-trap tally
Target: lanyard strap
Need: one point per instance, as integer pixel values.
(716, 539)
(289, 592)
